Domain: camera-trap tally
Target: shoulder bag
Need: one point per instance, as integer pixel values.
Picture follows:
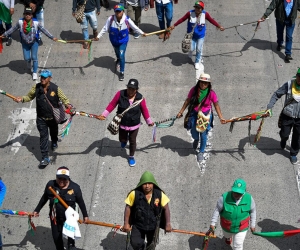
(114, 125)
(58, 113)
(186, 42)
(79, 13)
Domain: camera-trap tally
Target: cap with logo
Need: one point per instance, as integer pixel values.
(199, 4)
(63, 172)
(133, 83)
(239, 186)
(119, 7)
(28, 10)
(46, 73)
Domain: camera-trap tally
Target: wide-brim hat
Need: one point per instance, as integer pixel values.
(204, 77)
(147, 177)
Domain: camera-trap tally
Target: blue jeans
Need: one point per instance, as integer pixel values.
(120, 53)
(40, 17)
(30, 52)
(7, 26)
(196, 134)
(89, 17)
(163, 10)
(289, 29)
(197, 45)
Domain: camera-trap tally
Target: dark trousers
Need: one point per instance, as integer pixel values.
(57, 234)
(137, 238)
(42, 126)
(289, 29)
(287, 124)
(123, 137)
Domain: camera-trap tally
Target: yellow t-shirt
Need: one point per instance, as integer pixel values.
(130, 199)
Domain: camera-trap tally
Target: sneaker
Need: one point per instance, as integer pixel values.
(293, 159)
(190, 54)
(9, 41)
(288, 58)
(200, 156)
(45, 161)
(282, 144)
(228, 241)
(123, 144)
(136, 35)
(131, 161)
(95, 33)
(195, 144)
(54, 146)
(197, 65)
(40, 42)
(121, 76)
(118, 64)
(34, 76)
(279, 47)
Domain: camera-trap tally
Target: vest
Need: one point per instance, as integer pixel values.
(200, 29)
(118, 34)
(34, 28)
(235, 218)
(144, 215)
(293, 109)
(133, 116)
(43, 108)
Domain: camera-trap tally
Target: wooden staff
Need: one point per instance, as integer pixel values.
(156, 32)
(189, 232)
(8, 95)
(74, 41)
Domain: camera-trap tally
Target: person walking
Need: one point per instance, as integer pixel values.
(164, 12)
(237, 211)
(6, 12)
(199, 99)
(89, 17)
(71, 193)
(2, 197)
(38, 13)
(29, 31)
(290, 116)
(285, 15)
(134, 11)
(131, 121)
(146, 210)
(196, 24)
(46, 93)
(118, 26)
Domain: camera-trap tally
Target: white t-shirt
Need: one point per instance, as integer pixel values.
(163, 1)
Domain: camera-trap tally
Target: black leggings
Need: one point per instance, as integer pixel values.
(123, 137)
(57, 234)
(137, 238)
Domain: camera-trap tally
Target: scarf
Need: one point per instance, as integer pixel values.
(296, 91)
(202, 94)
(27, 26)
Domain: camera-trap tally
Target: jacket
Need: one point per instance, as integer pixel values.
(280, 14)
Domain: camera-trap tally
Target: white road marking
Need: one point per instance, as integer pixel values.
(98, 187)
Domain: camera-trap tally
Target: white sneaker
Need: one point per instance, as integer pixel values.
(197, 65)
(34, 76)
(191, 54)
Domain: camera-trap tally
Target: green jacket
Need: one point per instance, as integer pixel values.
(280, 14)
(235, 218)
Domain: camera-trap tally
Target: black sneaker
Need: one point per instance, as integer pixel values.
(9, 41)
(121, 76)
(40, 42)
(282, 144)
(293, 159)
(45, 161)
(279, 47)
(288, 58)
(54, 146)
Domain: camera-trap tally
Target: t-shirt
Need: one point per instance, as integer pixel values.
(206, 106)
(130, 199)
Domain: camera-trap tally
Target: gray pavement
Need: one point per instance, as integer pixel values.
(244, 74)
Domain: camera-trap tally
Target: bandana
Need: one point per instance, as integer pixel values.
(27, 26)
(296, 91)
(203, 94)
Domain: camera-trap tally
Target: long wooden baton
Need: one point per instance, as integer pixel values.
(8, 95)
(190, 232)
(156, 32)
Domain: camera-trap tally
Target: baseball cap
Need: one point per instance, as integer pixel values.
(46, 73)
(28, 10)
(133, 83)
(239, 186)
(199, 4)
(119, 7)
(63, 172)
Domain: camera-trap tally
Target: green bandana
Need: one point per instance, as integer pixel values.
(147, 177)
(203, 94)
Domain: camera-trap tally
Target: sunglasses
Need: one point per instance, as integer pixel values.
(42, 77)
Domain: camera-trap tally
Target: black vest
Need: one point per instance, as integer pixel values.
(144, 215)
(43, 108)
(133, 116)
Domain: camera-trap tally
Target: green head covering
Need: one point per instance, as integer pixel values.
(298, 72)
(147, 177)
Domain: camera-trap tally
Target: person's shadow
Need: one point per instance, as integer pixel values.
(18, 66)
(70, 35)
(290, 243)
(195, 243)
(106, 62)
(115, 242)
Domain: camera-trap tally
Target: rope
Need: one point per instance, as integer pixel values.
(244, 37)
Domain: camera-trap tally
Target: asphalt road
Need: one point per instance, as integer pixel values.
(244, 75)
